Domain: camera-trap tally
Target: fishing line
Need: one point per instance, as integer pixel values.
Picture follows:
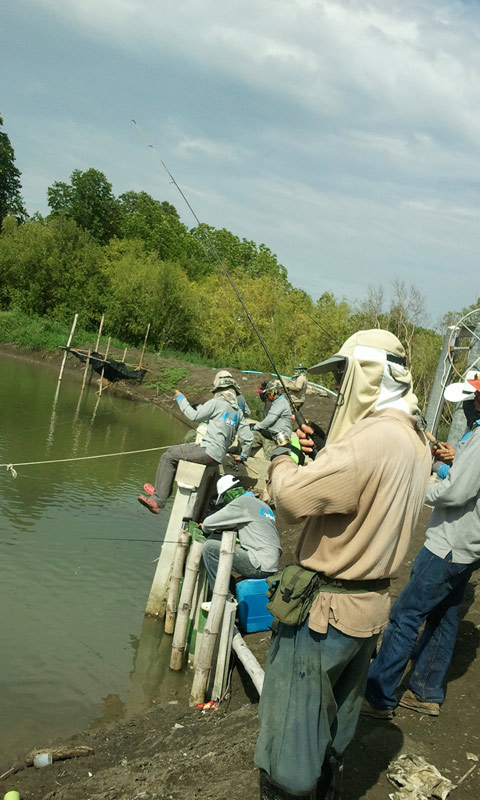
(298, 415)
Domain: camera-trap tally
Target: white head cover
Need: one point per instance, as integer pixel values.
(225, 483)
(375, 377)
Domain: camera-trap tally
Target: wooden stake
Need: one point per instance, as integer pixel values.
(212, 626)
(177, 575)
(99, 333)
(68, 345)
(124, 355)
(143, 348)
(87, 364)
(185, 604)
(103, 368)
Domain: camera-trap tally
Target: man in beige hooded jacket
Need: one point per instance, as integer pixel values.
(359, 501)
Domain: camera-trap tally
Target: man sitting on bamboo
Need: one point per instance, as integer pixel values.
(257, 550)
(224, 419)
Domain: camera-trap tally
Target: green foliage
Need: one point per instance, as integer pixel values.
(158, 226)
(11, 202)
(168, 378)
(132, 259)
(145, 290)
(88, 199)
(51, 267)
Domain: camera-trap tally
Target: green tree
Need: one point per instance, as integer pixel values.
(11, 202)
(142, 290)
(210, 244)
(88, 199)
(157, 224)
(51, 267)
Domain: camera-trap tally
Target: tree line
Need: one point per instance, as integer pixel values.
(132, 259)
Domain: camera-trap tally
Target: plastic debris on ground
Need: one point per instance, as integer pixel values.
(417, 779)
(210, 706)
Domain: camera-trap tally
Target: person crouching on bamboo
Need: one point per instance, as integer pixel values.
(224, 419)
(257, 549)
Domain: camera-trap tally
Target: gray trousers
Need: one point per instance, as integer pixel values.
(167, 467)
(241, 562)
(310, 703)
(259, 440)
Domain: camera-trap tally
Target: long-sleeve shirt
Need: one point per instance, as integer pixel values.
(278, 420)
(360, 500)
(298, 388)
(455, 522)
(255, 522)
(223, 423)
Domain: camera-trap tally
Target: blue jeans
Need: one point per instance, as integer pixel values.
(432, 595)
(310, 703)
(241, 562)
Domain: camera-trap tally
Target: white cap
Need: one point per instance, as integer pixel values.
(456, 392)
(225, 483)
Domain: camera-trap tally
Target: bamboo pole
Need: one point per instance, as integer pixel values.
(87, 364)
(99, 333)
(212, 627)
(224, 650)
(143, 348)
(248, 660)
(185, 604)
(101, 376)
(177, 575)
(68, 345)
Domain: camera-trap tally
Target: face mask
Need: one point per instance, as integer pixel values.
(231, 494)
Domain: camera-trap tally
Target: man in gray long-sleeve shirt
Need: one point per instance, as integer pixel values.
(258, 548)
(224, 419)
(278, 420)
(434, 593)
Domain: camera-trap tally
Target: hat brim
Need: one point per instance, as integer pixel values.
(326, 366)
(456, 392)
(475, 384)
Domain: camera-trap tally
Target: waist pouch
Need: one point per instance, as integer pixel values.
(292, 591)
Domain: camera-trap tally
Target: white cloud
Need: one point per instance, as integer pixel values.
(342, 133)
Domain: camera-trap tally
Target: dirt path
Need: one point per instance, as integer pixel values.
(171, 752)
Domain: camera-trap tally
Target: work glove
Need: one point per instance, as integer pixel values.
(251, 425)
(318, 436)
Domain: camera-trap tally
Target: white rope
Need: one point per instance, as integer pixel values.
(80, 458)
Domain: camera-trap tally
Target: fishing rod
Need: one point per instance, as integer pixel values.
(296, 413)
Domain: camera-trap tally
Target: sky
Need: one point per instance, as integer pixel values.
(343, 134)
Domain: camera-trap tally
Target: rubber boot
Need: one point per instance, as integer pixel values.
(330, 784)
(268, 791)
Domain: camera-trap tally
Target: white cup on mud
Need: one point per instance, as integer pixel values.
(42, 760)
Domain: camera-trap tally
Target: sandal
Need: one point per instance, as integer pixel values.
(149, 503)
(148, 488)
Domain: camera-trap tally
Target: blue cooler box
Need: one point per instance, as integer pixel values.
(253, 614)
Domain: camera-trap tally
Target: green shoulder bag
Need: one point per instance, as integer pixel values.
(291, 593)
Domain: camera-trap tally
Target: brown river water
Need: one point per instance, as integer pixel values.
(77, 557)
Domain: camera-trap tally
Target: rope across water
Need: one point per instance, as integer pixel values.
(10, 466)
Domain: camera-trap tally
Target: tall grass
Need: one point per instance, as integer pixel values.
(42, 333)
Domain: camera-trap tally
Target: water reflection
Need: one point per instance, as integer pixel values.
(77, 556)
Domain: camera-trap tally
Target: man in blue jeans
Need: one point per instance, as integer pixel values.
(434, 593)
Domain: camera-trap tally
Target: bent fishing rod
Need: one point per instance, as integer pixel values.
(297, 414)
